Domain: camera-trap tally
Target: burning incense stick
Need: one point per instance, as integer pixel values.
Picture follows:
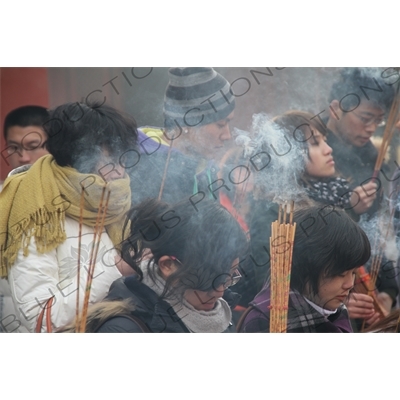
(100, 219)
(388, 132)
(81, 206)
(281, 244)
(274, 282)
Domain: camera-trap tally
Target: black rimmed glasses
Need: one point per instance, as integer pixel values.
(232, 279)
(368, 121)
(13, 148)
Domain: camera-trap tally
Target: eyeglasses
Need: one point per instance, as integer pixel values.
(368, 121)
(13, 148)
(227, 280)
(232, 279)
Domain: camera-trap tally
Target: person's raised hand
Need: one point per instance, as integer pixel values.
(363, 197)
(360, 305)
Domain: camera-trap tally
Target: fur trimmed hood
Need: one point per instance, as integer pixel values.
(130, 298)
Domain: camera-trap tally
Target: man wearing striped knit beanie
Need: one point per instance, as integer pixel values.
(198, 107)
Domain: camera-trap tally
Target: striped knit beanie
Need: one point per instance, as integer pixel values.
(196, 96)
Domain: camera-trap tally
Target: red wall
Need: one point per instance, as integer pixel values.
(20, 87)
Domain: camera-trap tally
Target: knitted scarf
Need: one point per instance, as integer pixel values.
(214, 321)
(333, 191)
(35, 203)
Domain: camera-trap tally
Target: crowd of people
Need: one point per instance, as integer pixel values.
(168, 229)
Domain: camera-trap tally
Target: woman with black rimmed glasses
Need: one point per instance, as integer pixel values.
(184, 259)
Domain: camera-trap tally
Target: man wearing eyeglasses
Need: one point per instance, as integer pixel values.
(25, 136)
(359, 102)
(25, 143)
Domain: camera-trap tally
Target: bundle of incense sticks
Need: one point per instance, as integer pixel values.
(389, 131)
(363, 284)
(281, 245)
(99, 225)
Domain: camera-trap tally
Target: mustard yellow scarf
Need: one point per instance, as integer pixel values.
(35, 203)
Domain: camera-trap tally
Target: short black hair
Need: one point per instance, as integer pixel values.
(206, 240)
(25, 116)
(327, 243)
(355, 85)
(79, 132)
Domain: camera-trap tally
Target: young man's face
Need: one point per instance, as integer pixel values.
(25, 145)
(212, 141)
(358, 126)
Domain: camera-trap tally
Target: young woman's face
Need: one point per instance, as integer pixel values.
(332, 292)
(320, 163)
(205, 301)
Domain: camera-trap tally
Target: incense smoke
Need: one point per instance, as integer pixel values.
(278, 159)
(379, 231)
